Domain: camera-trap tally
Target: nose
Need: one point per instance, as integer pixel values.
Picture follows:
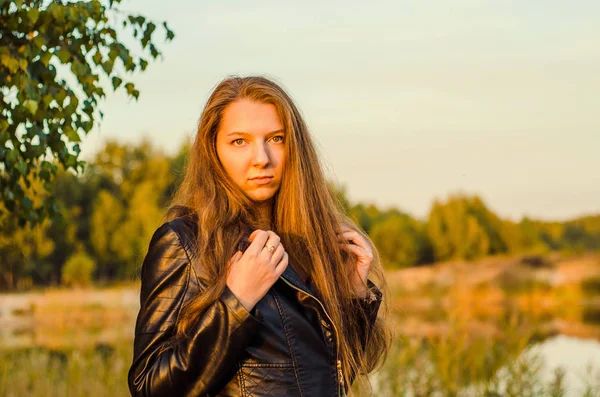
(261, 155)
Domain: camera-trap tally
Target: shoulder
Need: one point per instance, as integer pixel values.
(165, 278)
(170, 246)
(174, 244)
(186, 230)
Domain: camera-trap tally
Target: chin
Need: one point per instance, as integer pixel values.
(259, 198)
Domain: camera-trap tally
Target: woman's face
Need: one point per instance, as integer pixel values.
(251, 147)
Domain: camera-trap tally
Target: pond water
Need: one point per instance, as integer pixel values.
(580, 358)
(95, 333)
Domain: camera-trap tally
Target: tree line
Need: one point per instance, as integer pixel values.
(108, 215)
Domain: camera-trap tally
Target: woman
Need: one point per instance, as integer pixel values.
(258, 285)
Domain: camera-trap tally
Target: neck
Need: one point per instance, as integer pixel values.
(265, 211)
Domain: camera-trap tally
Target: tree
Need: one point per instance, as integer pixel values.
(78, 269)
(24, 251)
(52, 58)
(464, 228)
(401, 241)
(366, 215)
(129, 206)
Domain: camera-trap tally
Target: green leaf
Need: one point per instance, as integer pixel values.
(150, 27)
(170, 35)
(130, 88)
(31, 92)
(45, 58)
(116, 82)
(27, 203)
(129, 64)
(79, 69)
(108, 66)
(12, 156)
(154, 51)
(31, 105)
(71, 134)
(60, 97)
(23, 64)
(64, 56)
(143, 64)
(21, 166)
(71, 14)
(71, 161)
(44, 174)
(57, 11)
(47, 99)
(33, 15)
(97, 58)
(9, 62)
(38, 41)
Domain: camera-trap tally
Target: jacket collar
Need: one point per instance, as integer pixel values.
(293, 278)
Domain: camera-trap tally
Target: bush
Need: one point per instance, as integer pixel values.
(591, 285)
(536, 261)
(78, 269)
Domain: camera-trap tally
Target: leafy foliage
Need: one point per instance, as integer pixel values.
(111, 210)
(463, 228)
(78, 270)
(53, 56)
(401, 241)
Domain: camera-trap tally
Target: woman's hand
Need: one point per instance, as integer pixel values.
(253, 272)
(354, 242)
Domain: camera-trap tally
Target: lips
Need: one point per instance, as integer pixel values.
(262, 180)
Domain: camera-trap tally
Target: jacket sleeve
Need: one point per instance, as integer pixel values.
(370, 308)
(367, 315)
(209, 354)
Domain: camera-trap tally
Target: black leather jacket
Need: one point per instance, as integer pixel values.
(286, 346)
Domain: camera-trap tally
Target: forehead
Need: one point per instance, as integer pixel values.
(250, 117)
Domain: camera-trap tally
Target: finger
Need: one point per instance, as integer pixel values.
(273, 240)
(235, 257)
(282, 264)
(277, 255)
(257, 241)
(354, 237)
(345, 228)
(359, 251)
(253, 234)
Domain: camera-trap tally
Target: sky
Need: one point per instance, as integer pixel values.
(408, 101)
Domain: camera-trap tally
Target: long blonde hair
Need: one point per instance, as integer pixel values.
(305, 215)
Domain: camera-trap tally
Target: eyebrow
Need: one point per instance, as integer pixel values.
(245, 133)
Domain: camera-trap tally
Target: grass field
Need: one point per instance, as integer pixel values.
(464, 329)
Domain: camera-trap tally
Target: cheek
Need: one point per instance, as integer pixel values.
(280, 157)
(234, 165)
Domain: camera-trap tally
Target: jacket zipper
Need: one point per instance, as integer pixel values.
(340, 374)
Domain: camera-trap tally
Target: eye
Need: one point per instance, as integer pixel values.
(237, 140)
(280, 138)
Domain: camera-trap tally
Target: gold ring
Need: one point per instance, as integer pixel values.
(271, 248)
